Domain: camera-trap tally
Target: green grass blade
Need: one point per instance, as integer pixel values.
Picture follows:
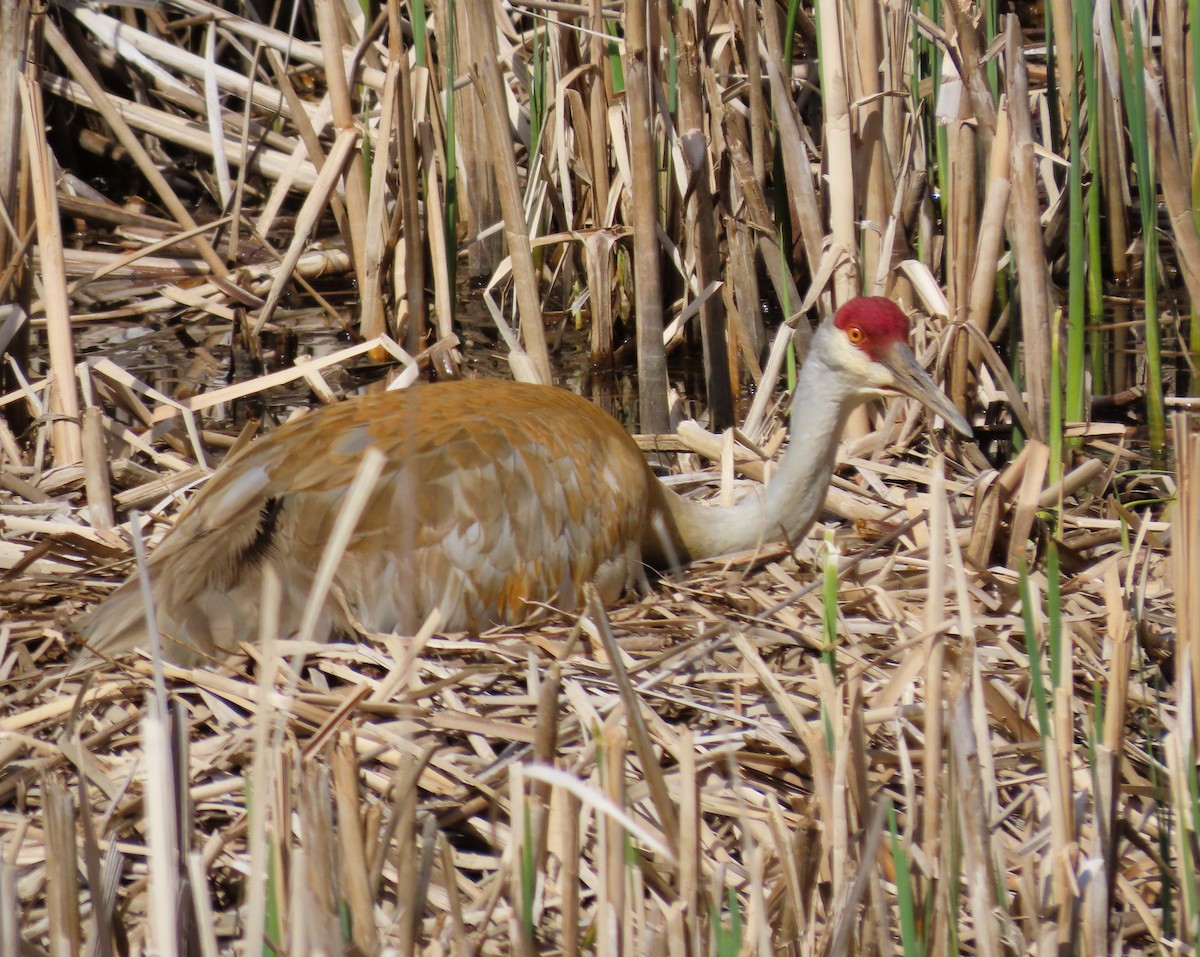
(909, 938)
(1035, 654)
(1133, 82)
(1077, 259)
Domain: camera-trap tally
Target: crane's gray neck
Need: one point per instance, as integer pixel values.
(793, 498)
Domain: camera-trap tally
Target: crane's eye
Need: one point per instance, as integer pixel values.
(856, 335)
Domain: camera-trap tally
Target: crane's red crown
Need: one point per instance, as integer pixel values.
(873, 323)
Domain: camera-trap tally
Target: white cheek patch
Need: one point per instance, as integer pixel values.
(851, 359)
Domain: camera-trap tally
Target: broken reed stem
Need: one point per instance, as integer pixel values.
(842, 190)
(1025, 237)
(703, 226)
(643, 160)
(64, 396)
(372, 319)
(489, 87)
(414, 233)
(99, 100)
(868, 55)
(354, 185)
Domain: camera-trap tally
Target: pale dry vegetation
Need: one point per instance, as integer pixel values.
(891, 737)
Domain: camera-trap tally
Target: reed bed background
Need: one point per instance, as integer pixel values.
(964, 721)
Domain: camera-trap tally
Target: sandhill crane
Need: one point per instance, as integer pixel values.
(496, 499)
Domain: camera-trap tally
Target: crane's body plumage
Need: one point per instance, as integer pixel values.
(496, 500)
(496, 494)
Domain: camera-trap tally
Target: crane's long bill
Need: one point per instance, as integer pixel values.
(914, 381)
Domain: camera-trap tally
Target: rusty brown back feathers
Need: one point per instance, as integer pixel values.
(495, 496)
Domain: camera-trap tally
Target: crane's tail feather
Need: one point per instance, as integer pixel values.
(118, 624)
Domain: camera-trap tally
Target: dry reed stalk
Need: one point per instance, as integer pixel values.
(342, 154)
(1185, 551)
(158, 57)
(653, 415)
(322, 890)
(597, 247)
(216, 130)
(838, 159)
(64, 397)
(703, 226)
(1175, 69)
(970, 62)
(1114, 167)
(442, 248)
(747, 26)
(17, 233)
(407, 916)
(610, 902)
(14, 35)
(869, 131)
(598, 93)
(961, 248)
(518, 853)
(743, 297)
(1065, 66)
(358, 897)
(930, 820)
(769, 250)
(798, 171)
(413, 286)
(95, 461)
(307, 152)
(478, 195)
(988, 245)
(62, 901)
(1174, 177)
(1025, 236)
(971, 807)
(489, 87)
(338, 92)
(374, 249)
(101, 101)
(1118, 657)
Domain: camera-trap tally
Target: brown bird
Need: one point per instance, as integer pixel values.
(496, 499)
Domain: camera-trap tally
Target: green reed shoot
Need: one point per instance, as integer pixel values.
(729, 939)
(1133, 84)
(420, 28)
(1189, 819)
(528, 878)
(1055, 137)
(1095, 275)
(829, 626)
(1054, 616)
(1033, 649)
(789, 36)
(1076, 319)
(616, 67)
(1194, 34)
(927, 63)
(909, 938)
(1056, 400)
(941, 140)
(829, 620)
(991, 26)
(537, 93)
